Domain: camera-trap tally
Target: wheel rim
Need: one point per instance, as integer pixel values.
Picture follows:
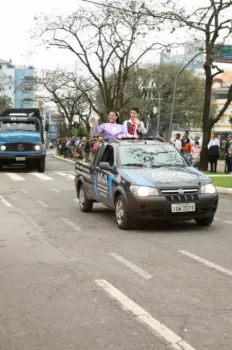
(82, 198)
(119, 212)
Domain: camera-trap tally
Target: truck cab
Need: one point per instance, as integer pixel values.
(22, 139)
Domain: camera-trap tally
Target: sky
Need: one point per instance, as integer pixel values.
(17, 22)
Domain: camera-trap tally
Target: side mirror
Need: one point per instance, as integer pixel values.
(105, 166)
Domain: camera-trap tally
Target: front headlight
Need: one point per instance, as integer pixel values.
(144, 191)
(209, 188)
(37, 147)
(3, 148)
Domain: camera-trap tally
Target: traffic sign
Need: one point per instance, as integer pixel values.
(222, 53)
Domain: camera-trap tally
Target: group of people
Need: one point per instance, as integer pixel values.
(78, 147)
(191, 150)
(114, 130)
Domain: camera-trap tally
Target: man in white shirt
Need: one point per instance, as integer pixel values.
(178, 143)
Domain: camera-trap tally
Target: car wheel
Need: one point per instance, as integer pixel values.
(41, 167)
(121, 213)
(207, 221)
(86, 205)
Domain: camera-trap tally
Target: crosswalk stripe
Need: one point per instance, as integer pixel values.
(42, 176)
(15, 177)
(68, 176)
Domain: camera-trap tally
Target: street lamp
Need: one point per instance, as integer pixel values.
(174, 91)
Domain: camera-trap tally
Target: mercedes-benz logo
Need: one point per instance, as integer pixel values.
(181, 191)
(20, 147)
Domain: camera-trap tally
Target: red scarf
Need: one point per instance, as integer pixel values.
(132, 127)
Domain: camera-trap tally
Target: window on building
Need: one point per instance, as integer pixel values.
(0, 66)
(222, 96)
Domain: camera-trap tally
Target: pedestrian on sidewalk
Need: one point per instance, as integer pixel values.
(196, 151)
(214, 148)
(228, 154)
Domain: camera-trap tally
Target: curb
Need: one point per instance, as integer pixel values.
(221, 190)
(66, 160)
(224, 190)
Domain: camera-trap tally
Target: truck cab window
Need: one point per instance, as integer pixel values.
(108, 155)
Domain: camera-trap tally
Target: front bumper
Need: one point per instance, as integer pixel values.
(13, 156)
(159, 208)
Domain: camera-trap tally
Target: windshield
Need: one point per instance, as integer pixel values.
(151, 156)
(8, 126)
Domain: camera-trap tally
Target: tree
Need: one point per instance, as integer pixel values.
(62, 89)
(5, 103)
(212, 24)
(107, 42)
(145, 85)
(4, 81)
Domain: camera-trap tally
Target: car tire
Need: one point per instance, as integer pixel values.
(121, 214)
(207, 221)
(41, 167)
(86, 205)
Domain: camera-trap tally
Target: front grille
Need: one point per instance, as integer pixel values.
(182, 198)
(179, 191)
(16, 147)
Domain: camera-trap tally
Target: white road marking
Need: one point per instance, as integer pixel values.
(222, 220)
(55, 190)
(42, 204)
(71, 224)
(171, 338)
(7, 204)
(206, 262)
(68, 176)
(76, 200)
(132, 266)
(42, 176)
(24, 191)
(15, 177)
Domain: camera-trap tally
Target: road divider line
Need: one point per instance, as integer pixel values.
(132, 266)
(15, 177)
(7, 204)
(206, 262)
(42, 204)
(55, 190)
(71, 224)
(42, 177)
(24, 191)
(223, 220)
(161, 330)
(68, 176)
(76, 200)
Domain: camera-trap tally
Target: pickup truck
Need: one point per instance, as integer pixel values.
(145, 179)
(22, 138)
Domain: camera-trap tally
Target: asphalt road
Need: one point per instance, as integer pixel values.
(70, 280)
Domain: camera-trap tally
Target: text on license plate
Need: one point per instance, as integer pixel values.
(20, 159)
(183, 208)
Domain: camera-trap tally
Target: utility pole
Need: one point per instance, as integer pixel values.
(159, 111)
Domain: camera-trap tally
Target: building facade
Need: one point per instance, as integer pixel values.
(182, 55)
(221, 86)
(7, 80)
(25, 87)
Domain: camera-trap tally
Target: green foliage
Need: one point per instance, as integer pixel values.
(144, 85)
(65, 131)
(5, 103)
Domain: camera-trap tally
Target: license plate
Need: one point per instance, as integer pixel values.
(183, 208)
(20, 159)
